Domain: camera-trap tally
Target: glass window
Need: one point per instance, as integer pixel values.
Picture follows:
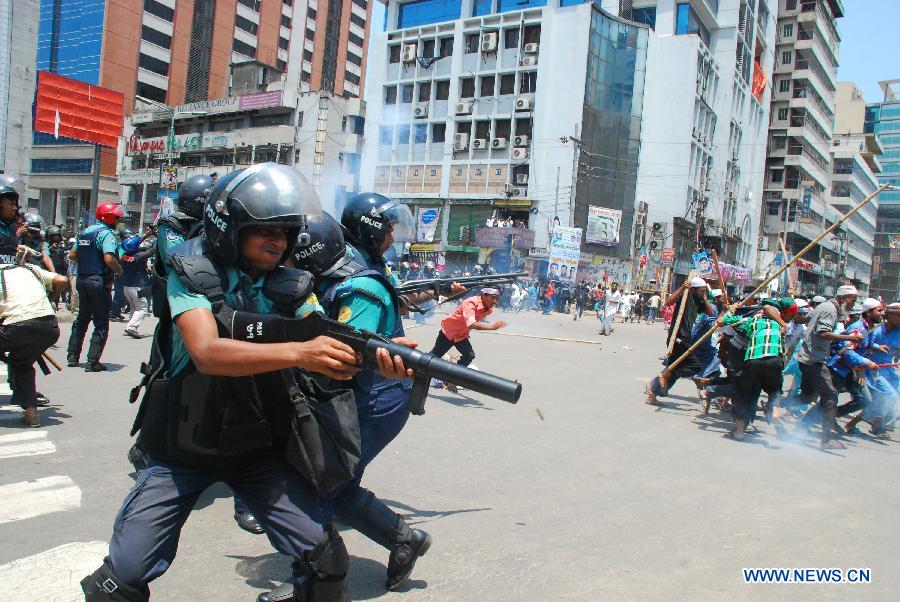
(281, 65)
(311, 13)
(507, 5)
(357, 20)
(786, 57)
(508, 83)
(243, 48)
(245, 24)
(285, 21)
(777, 175)
(394, 53)
(425, 92)
(790, 4)
(438, 132)
(361, 3)
(428, 48)
(386, 134)
(356, 39)
(487, 85)
(686, 22)
(787, 30)
(352, 78)
(511, 38)
(283, 44)
(446, 48)
(647, 16)
(784, 85)
(467, 87)
(782, 114)
(153, 64)
(422, 12)
(151, 92)
(532, 34)
(403, 134)
(258, 121)
(421, 133)
(307, 55)
(156, 38)
(352, 58)
(61, 165)
(442, 90)
(528, 84)
(310, 35)
(571, 2)
(158, 9)
(471, 43)
(481, 7)
(406, 93)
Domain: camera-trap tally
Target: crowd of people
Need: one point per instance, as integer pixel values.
(828, 347)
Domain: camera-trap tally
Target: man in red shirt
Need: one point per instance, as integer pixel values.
(456, 327)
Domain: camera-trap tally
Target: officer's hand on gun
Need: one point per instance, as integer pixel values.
(393, 367)
(329, 357)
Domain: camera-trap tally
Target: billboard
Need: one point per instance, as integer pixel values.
(565, 250)
(603, 226)
(426, 223)
(68, 107)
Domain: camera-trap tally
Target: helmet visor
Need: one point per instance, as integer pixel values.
(404, 225)
(266, 188)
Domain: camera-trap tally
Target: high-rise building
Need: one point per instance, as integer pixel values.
(18, 43)
(176, 52)
(798, 169)
(883, 121)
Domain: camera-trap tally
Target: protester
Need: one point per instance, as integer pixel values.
(613, 299)
(653, 307)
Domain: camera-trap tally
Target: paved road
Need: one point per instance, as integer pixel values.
(579, 492)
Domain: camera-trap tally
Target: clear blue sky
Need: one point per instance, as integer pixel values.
(870, 44)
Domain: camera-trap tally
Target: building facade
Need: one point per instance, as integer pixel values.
(882, 119)
(176, 52)
(796, 202)
(18, 44)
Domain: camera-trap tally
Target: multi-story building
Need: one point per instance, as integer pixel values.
(883, 120)
(854, 176)
(176, 52)
(18, 44)
(798, 170)
(706, 106)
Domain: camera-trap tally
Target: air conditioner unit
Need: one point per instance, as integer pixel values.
(520, 154)
(736, 232)
(520, 140)
(498, 143)
(421, 110)
(529, 60)
(519, 191)
(479, 144)
(460, 142)
(509, 188)
(409, 53)
(531, 48)
(521, 178)
(523, 103)
(463, 108)
(489, 42)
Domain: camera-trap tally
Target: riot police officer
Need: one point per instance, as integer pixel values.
(372, 223)
(9, 211)
(364, 298)
(33, 238)
(249, 218)
(95, 249)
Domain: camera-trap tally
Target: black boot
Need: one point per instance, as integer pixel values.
(96, 348)
(403, 558)
(103, 586)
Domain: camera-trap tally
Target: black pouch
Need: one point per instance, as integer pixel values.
(323, 444)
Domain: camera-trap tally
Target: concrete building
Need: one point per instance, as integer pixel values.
(883, 121)
(797, 203)
(175, 52)
(706, 107)
(18, 44)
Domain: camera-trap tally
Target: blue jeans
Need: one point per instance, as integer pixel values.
(651, 313)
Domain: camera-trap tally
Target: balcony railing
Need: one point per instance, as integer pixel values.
(804, 92)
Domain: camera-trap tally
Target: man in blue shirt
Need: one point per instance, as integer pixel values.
(9, 211)
(136, 279)
(95, 249)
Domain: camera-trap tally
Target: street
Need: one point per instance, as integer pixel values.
(578, 492)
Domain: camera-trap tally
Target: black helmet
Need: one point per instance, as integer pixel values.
(266, 194)
(35, 223)
(324, 250)
(52, 231)
(366, 217)
(192, 195)
(125, 233)
(11, 186)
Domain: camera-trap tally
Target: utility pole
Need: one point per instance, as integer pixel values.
(576, 150)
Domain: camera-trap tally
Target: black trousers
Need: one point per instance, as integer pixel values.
(22, 344)
(93, 306)
(817, 383)
(764, 374)
(442, 345)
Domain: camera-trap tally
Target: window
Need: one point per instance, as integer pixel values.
(151, 92)
(528, 83)
(283, 44)
(438, 132)
(395, 53)
(787, 30)
(159, 10)
(361, 3)
(481, 7)
(777, 175)
(156, 38)
(358, 21)
(226, 125)
(406, 93)
(300, 119)
(507, 83)
(532, 34)
(61, 165)
(243, 48)
(386, 134)
(282, 65)
(483, 129)
(425, 92)
(390, 95)
(259, 121)
(784, 85)
(286, 21)
(245, 24)
(307, 55)
(487, 85)
(686, 22)
(510, 38)
(647, 16)
(790, 5)
(421, 133)
(356, 39)
(428, 48)
(403, 134)
(311, 13)
(786, 57)
(251, 4)
(352, 58)
(351, 77)
(153, 64)
(506, 5)
(782, 114)
(422, 12)
(467, 87)
(446, 47)
(442, 90)
(780, 142)
(304, 76)
(471, 43)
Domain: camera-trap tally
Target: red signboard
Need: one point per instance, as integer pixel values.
(668, 257)
(68, 107)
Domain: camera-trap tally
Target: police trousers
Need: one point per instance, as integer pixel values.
(148, 525)
(94, 302)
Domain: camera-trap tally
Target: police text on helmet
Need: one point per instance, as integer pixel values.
(216, 219)
(368, 220)
(311, 250)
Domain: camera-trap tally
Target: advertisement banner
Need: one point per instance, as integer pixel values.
(71, 108)
(426, 223)
(169, 179)
(603, 226)
(565, 250)
(496, 238)
(668, 257)
(805, 210)
(894, 245)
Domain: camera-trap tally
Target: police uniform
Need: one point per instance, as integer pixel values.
(93, 291)
(8, 242)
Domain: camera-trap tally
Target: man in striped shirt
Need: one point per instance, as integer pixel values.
(763, 360)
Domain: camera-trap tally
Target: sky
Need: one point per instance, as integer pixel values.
(870, 44)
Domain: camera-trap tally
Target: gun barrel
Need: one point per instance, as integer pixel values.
(463, 376)
(420, 285)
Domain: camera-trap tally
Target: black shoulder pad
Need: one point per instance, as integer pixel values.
(346, 271)
(197, 271)
(288, 288)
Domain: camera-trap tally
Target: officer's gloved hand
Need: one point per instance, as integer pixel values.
(393, 368)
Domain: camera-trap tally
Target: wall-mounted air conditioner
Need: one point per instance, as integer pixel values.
(529, 61)
(460, 142)
(408, 54)
(463, 108)
(531, 48)
(479, 144)
(523, 103)
(520, 154)
(489, 42)
(498, 143)
(521, 178)
(421, 110)
(520, 140)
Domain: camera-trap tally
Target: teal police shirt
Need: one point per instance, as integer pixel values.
(364, 303)
(106, 241)
(167, 238)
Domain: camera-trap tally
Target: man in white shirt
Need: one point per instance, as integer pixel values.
(27, 328)
(613, 301)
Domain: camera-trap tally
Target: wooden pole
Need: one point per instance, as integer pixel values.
(50, 359)
(785, 255)
(783, 269)
(677, 323)
(719, 275)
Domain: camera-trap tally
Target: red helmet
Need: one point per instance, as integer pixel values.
(109, 213)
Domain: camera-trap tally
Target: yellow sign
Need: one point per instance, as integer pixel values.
(425, 247)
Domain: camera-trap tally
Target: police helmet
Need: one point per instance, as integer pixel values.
(266, 194)
(366, 218)
(35, 223)
(147, 243)
(323, 251)
(51, 232)
(429, 265)
(192, 195)
(126, 233)
(11, 186)
(109, 213)
(131, 244)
